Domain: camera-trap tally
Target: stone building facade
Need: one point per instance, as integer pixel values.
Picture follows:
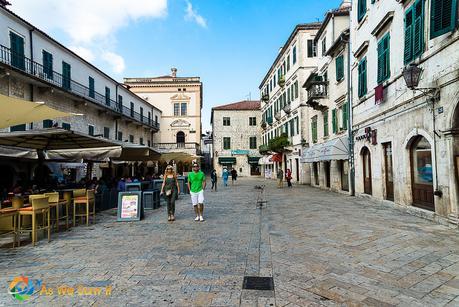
(407, 141)
(327, 99)
(35, 67)
(283, 110)
(180, 100)
(236, 135)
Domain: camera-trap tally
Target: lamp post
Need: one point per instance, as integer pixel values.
(412, 75)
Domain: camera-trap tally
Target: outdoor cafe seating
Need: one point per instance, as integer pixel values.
(39, 210)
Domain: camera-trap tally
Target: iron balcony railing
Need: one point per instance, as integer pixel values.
(26, 65)
(317, 89)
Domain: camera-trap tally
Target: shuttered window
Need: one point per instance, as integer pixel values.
(226, 143)
(442, 17)
(334, 121)
(66, 75)
(325, 116)
(339, 68)
(362, 69)
(48, 64)
(314, 129)
(47, 123)
(384, 58)
(107, 95)
(344, 119)
(414, 31)
(253, 142)
(17, 51)
(361, 9)
(91, 87)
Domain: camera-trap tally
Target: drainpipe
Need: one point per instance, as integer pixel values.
(437, 191)
(32, 98)
(117, 104)
(350, 115)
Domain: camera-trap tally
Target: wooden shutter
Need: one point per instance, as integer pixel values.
(362, 72)
(17, 51)
(418, 31)
(339, 68)
(408, 53)
(345, 116)
(443, 17)
(334, 123)
(362, 9)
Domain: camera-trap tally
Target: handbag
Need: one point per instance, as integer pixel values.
(168, 192)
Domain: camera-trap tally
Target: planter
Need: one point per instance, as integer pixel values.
(278, 115)
(265, 98)
(281, 81)
(287, 109)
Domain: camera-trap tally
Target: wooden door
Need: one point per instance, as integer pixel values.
(422, 174)
(389, 171)
(366, 157)
(327, 173)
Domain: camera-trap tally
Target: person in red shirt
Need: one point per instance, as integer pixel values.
(288, 177)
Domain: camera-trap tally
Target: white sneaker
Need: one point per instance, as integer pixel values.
(201, 219)
(197, 218)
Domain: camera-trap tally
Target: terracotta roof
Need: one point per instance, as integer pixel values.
(241, 105)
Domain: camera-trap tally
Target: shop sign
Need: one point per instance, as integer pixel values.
(239, 152)
(370, 135)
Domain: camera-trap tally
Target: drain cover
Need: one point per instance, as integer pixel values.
(258, 283)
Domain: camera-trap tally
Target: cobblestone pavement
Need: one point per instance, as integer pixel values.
(321, 248)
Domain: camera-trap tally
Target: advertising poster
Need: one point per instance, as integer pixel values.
(129, 206)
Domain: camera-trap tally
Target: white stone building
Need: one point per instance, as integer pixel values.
(35, 67)
(282, 95)
(180, 100)
(236, 135)
(407, 141)
(327, 88)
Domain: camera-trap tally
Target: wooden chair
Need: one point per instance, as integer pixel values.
(8, 223)
(89, 205)
(56, 204)
(40, 206)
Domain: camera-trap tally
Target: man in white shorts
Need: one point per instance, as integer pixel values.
(196, 186)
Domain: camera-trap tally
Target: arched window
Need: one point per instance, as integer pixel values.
(180, 139)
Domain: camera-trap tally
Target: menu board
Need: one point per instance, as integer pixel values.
(129, 206)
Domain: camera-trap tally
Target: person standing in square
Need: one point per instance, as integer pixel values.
(196, 185)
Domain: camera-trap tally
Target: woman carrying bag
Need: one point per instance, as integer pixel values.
(170, 189)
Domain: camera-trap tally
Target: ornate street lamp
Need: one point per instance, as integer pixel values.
(412, 75)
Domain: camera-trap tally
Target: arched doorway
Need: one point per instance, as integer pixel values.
(180, 139)
(421, 173)
(366, 162)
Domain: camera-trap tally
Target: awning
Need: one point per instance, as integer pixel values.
(22, 153)
(277, 157)
(265, 160)
(132, 152)
(178, 156)
(52, 139)
(336, 149)
(15, 111)
(254, 160)
(89, 154)
(227, 160)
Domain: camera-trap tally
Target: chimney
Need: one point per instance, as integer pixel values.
(174, 72)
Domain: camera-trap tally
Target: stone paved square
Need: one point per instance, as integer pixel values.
(322, 248)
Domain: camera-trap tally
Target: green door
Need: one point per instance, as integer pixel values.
(17, 51)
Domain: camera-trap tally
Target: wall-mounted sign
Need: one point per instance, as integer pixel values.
(370, 135)
(239, 152)
(129, 206)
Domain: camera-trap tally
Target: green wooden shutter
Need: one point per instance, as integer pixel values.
(66, 75)
(418, 31)
(380, 61)
(442, 17)
(345, 116)
(334, 123)
(107, 95)
(364, 76)
(325, 116)
(17, 51)
(91, 87)
(408, 53)
(384, 58)
(339, 68)
(361, 9)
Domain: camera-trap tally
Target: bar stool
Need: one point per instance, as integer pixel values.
(40, 206)
(88, 203)
(56, 203)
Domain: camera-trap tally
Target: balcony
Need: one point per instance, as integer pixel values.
(317, 89)
(188, 147)
(38, 71)
(278, 115)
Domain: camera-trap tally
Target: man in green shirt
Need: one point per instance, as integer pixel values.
(196, 185)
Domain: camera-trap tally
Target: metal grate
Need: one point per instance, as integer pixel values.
(258, 283)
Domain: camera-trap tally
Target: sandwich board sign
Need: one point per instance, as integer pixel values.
(129, 206)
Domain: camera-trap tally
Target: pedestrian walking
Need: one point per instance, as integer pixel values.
(288, 177)
(213, 178)
(171, 189)
(225, 176)
(196, 185)
(233, 176)
(280, 178)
